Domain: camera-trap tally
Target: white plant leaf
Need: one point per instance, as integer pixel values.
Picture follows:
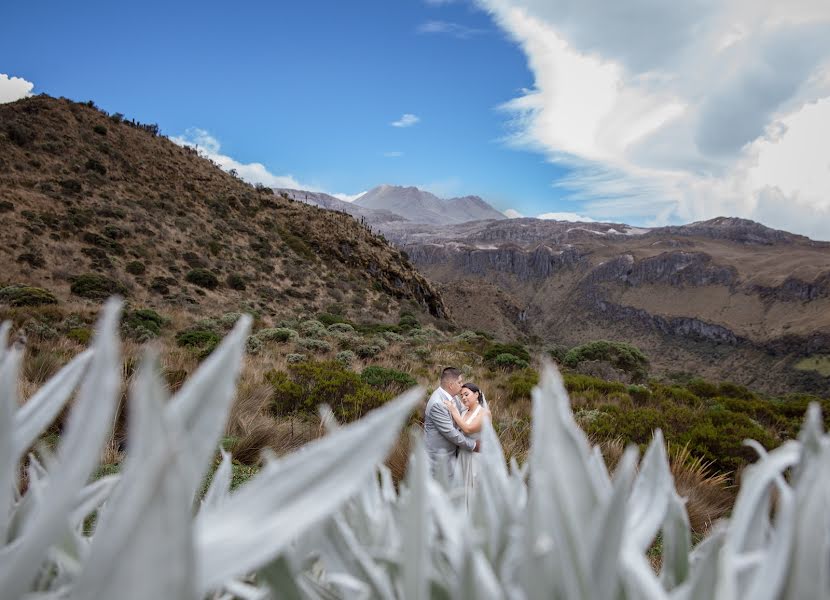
(809, 575)
(607, 529)
(9, 368)
(290, 494)
(677, 543)
(650, 496)
(151, 504)
(220, 485)
(43, 407)
(88, 426)
(415, 553)
(200, 408)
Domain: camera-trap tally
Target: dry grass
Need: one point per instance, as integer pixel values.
(709, 495)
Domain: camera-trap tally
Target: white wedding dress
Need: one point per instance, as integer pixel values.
(467, 463)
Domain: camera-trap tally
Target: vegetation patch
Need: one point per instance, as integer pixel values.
(390, 380)
(201, 340)
(619, 355)
(818, 363)
(96, 287)
(142, 324)
(310, 383)
(203, 278)
(136, 267)
(25, 295)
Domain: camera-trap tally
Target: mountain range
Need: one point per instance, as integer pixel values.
(726, 298)
(387, 204)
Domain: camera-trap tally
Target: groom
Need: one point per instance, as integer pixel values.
(442, 437)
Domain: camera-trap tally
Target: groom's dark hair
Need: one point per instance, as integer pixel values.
(450, 374)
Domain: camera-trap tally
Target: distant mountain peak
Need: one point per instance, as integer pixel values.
(420, 206)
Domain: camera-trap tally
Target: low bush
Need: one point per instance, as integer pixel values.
(520, 383)
(390, 380)
(142, 324)
(26, 295)
(509, 361)
(314, 345)
(368, 351)
(308, 384)
(295, 358)
(235, 282)
(136, 267)
(82, 335)
(345, 357)
(201, 341)
(312, 328)
(96, 287)
(340, 328)
(492, 352)
(203, 278)
(619, 355)
(277, 334)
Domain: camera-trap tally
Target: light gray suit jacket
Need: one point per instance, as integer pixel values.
(441, 437)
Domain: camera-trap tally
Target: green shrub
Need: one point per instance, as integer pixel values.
(235, 282)
(295, 358)
(509, 361)
(308, 384)
(345, 357)
(314, 345)
(25, 295)
(620, 355)
(100, 129)
(142, 325)
(136, 267)
(96, 287)
(277, 334)
(702, 388)
(93, 164)
(520, 384)
(202, 341)
(408, 321)
(313, 328)
(329, 319)
(639, 393)
(340, 328)
(82, 335)
(517, 350)
(203, 278)
(576, 382)
(368, 351)
(390, 380)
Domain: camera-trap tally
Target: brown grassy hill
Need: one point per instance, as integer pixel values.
(92, 204)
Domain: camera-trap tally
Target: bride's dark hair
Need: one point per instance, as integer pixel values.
(476, 390)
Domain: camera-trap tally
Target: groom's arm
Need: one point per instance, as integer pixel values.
(443, 423)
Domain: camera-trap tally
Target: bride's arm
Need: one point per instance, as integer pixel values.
(456, 416)
(474, 425)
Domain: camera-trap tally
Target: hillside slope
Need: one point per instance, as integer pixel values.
(93, 204)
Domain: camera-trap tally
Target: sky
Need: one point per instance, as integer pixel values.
(644, 111)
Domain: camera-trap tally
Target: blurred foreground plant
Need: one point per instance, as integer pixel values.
(327, 521)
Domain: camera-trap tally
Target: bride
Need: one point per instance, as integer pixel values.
(469, 420)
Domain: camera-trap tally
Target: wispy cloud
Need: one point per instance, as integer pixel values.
(681, 111)
(14, 88)
(565, 216)
(512, 213)
(209, 147)
(406, 120)
(457, 30)
(393, 154)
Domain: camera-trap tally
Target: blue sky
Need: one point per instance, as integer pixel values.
(534, 105)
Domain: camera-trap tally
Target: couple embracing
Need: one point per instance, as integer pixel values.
(453, 419)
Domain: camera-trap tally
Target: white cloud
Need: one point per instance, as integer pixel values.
(512, 213)
(209, 147)
(406, 120)
(565, 216)
(667, 111)
(348, 197)
(14, 88)
(393, 154)
(457, 30)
